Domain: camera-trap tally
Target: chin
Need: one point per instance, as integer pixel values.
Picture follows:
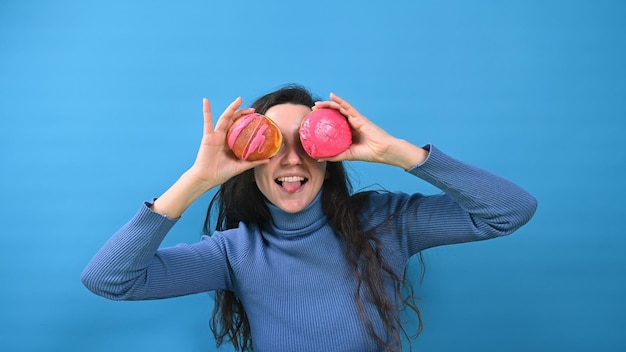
(293, 206)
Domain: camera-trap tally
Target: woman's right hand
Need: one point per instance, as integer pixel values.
(215, 163)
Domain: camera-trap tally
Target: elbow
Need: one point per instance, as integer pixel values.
(509, 220)
(519, 215)
(527, 207)
(90, 281)
(94, 283)
(97, 283)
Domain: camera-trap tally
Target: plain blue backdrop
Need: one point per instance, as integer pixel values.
(100, 109)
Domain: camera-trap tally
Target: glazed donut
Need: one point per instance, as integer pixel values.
(254, 137)
(324, 133)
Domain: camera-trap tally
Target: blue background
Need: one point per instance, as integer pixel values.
(100, 109)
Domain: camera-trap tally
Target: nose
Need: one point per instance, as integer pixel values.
(292, 154)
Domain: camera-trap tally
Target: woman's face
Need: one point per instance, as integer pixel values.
(291, 179)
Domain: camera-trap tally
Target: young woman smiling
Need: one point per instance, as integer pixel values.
(297, 260)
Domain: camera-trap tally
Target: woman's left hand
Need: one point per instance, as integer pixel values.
(370, 142)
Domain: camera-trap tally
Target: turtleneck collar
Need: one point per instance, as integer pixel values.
(297, 224)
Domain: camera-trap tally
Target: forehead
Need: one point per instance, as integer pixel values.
(287, 116)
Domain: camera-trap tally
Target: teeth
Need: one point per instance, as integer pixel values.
(291, 179)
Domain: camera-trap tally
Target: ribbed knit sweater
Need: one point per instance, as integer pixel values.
(291, 274)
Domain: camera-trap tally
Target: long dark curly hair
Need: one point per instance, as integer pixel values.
(239, 199)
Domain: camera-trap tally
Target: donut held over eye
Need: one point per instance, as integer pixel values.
(254, 137)
(325, 133)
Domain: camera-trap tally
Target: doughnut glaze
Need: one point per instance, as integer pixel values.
(254, 137)
(325, 133)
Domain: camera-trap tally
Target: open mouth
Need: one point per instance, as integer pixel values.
(291, 184)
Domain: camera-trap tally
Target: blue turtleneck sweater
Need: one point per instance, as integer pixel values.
(291, 274)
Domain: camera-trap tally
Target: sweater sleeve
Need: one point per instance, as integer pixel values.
(475, 205)
(130, 265)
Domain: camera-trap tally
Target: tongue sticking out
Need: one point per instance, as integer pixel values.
(291, 187)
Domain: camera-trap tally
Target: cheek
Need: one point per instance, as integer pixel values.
(263, 176)
(261, 182)
(258, 174)
(323, 170)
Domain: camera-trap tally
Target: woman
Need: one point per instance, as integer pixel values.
(298, 262)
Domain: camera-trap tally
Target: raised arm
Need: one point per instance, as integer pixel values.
(131, 266)
(214, 164)
(475, 205)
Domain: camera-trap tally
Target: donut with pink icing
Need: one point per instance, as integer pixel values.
(254, 137)
(325, 133)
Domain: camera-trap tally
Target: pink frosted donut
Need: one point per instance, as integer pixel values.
(324, 133)
(254, 137)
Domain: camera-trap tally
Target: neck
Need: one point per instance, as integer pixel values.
(300, 223)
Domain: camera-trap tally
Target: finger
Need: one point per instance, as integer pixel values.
(345, 155)
(326, 104)
(345, 107)
(229, 121)
(208, 118)
(227, 115)
(233, 106)
(253, 164)
(247, 165)
(241, 112)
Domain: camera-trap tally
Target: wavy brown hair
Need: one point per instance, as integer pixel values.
(239, 199)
